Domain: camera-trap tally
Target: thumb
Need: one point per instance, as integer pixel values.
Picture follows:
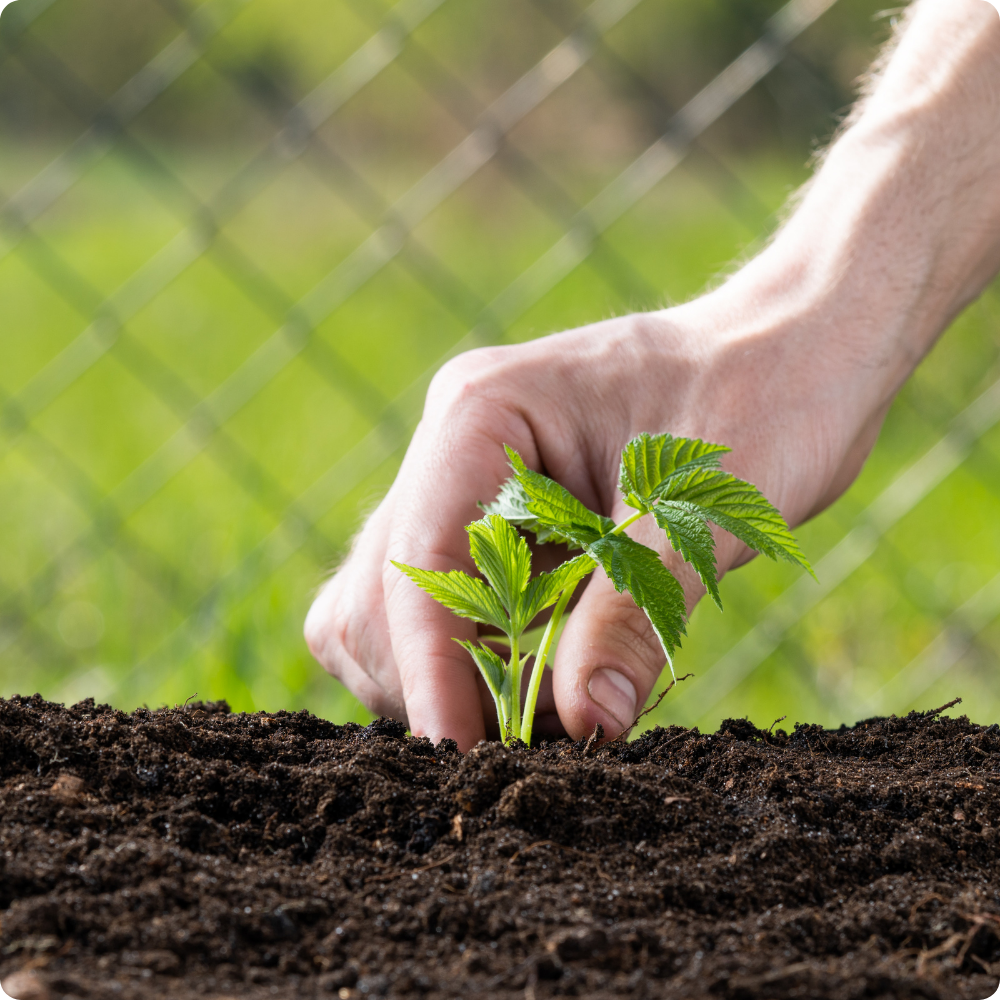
(608, 660)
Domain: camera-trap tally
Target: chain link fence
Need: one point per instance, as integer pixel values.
(234, 250)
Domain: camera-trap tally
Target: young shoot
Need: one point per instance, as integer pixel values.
(677, 480)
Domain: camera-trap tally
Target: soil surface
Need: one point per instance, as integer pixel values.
(193, 852)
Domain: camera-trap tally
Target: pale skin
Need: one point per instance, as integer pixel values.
(792, 362)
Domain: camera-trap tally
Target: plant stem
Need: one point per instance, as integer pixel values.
(619, 528)
(517, 732)
(515, 687)
(540, 657)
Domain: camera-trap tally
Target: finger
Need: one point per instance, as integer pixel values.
(607, 662)
(608, 659)
(346, 628)
(450, 466)
(438, 677)
(366, 690)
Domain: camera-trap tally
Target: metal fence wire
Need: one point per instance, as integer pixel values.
(125, 577)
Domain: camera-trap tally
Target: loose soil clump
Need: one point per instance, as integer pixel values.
(192, 852)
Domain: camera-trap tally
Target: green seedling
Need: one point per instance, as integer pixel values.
(677, 480)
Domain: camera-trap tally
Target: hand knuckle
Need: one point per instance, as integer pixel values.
(380, 703)
(467, 377)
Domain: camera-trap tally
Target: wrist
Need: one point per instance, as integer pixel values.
(865, 277)
(799, 357)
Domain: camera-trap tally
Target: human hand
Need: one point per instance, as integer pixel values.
(568, 403)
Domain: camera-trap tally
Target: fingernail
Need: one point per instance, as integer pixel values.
(615, 693)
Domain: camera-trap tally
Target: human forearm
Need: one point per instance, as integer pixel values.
(900, 229)
(897, 232)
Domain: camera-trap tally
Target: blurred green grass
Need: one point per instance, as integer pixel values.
(299, 427)
(92, 607)
(109, 423)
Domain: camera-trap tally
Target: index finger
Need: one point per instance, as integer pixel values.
(446, 471)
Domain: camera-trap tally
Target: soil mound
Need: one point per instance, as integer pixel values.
(192, 852)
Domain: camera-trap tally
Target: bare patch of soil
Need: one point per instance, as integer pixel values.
(192, 852)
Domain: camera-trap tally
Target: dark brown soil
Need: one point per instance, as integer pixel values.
(193, 852)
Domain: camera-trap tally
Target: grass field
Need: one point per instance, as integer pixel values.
(148, 558)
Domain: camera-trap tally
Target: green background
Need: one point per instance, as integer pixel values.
(132, 587)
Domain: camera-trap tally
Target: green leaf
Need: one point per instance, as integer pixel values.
(557, 508)
(686, 526)
(545, 589)
(503, 557)
(739, 508)
(512, 505)
(649, 460)
(494, 672)
(633, 567)
(461, 593)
